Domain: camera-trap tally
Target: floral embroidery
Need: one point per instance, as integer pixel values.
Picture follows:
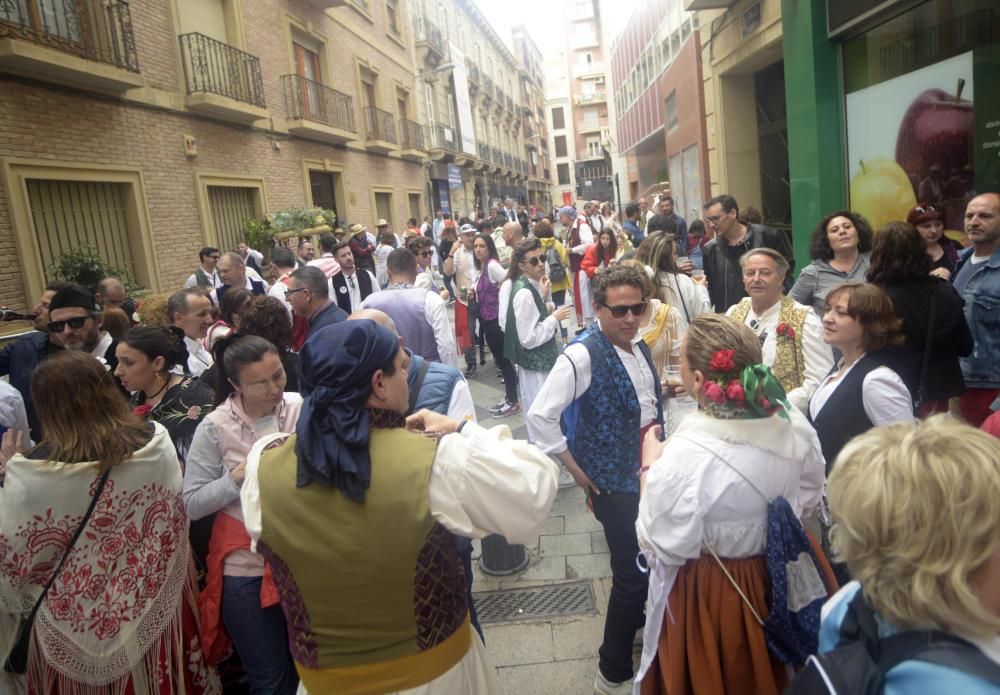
(141, 411)
(194, 412)
(119, 564)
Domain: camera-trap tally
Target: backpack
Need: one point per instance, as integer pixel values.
(557, 271)
(860, 661)
(798, 593)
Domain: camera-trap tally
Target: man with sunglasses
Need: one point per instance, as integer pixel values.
(351, 286)
(19, 358)
(206, 276)
(605, 391)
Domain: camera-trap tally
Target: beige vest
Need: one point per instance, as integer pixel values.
(789, 362)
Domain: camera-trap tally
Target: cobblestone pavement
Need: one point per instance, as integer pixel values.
(556, 655)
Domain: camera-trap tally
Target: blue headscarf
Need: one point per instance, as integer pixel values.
(335, 370)
(568, 210)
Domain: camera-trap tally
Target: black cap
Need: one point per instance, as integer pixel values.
(73, 295)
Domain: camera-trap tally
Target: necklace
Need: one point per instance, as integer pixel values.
(163, 388)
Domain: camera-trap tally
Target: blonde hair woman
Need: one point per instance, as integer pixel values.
(660, 327)
(916, 510)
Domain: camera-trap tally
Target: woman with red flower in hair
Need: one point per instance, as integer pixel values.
(703, 518)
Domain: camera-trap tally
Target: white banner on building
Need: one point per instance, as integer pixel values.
(465, 127)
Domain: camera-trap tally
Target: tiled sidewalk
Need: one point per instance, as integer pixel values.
(550, 655)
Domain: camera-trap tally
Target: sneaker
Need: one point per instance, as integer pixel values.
(498, 407)
(602, 686)
(470, 371)
(509, 409)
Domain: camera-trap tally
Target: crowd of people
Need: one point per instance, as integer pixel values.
(268, 480)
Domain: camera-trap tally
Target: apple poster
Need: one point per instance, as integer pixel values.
(910, 139)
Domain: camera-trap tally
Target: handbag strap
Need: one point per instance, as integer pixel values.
(925, 367)
(680, 298)
(69, 547)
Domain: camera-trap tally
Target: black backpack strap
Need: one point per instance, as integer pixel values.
(941, 648)
(418, 383)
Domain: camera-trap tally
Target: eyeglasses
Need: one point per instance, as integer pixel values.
(534, 260)
(619, 311)
(426, 254)
(713, 219)
(75, 323)
(289, 293)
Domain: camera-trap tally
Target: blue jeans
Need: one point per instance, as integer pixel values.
(260, 637)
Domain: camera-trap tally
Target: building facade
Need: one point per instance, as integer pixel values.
(657, 96)
(562, 141)
(472, 97)
(851, 101)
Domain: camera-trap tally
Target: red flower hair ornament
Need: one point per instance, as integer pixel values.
(753, 392)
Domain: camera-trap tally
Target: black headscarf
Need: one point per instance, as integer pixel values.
(335, 370)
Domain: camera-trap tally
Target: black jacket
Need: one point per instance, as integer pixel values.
(17, 361)
(950, 338)
(725, 278)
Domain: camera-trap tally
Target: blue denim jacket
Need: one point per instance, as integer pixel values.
(981, 369)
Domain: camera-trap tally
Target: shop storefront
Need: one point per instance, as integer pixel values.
(891, 104)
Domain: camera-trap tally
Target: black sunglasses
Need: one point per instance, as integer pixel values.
(75, 323)
(619, 311)
(534, 260)
(426, 253)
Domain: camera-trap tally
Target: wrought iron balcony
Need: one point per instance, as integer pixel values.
(484, 151)
(380, 127)
(444, 137)
(309, 103)
(429, 37)
(95, 31)
(213, 67)
(412, 134)
(473, 71)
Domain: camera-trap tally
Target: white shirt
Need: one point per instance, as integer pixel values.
(13, 415)
(531, 331)
(354, 287)
(425, 279)
(436, 313)
(192, 280)
(564, 385)
(817, 357)
(693, 499)
(884, 395)
(199, 359)
(503, 301)
(684, 294)
(277, 291)
(255, 254)
(251, 274)
(586, 237)
(102, 348)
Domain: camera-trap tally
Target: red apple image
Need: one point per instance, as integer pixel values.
(937, 129)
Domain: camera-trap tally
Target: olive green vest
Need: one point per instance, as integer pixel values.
(539, 359)
(361, 583)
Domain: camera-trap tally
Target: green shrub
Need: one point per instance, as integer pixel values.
(86, 267)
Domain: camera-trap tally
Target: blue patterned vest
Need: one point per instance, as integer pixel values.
(602, 425)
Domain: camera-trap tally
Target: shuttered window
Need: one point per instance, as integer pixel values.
(69, 215)
(231, 207)
(383, 207)
(415, 211)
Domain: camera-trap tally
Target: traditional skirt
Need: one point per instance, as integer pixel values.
(714, 644)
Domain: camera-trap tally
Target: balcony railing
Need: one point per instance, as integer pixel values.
(380, 124)
(412, 134)
(314, 101)
(592, 97)
(429, 33)
(95, 31)
(473, 71)
(217, 68)
(444, 137)
(484, 151)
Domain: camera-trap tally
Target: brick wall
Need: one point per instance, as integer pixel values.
(40, 121)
